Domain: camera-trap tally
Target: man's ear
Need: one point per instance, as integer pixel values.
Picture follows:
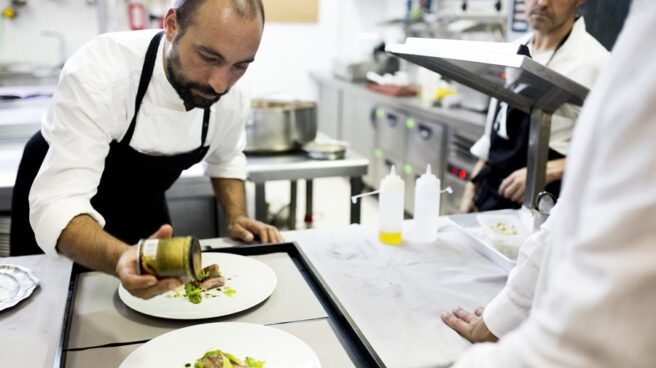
(171, 25)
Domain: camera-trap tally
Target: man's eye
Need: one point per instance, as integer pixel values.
(241, 66)
(209, 59)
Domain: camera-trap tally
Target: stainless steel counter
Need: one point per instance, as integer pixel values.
(461, 119)
(30, 331)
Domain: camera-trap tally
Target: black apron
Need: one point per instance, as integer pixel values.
(508, 155)
(130, 195)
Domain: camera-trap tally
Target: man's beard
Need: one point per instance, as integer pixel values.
(185, 88)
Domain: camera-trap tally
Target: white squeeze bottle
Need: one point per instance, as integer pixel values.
(390, 208)
(427, 207)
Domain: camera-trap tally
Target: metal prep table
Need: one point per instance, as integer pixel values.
(284, 166)
(297, 166)
(392, 297)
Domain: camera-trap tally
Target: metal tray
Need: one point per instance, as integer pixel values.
(348, 334)
(467, 223)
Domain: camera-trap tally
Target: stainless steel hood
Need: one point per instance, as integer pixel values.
(497, 70)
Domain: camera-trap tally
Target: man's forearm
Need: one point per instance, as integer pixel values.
(85, 242)
(230, 192)
(470, 187)
(555, 170)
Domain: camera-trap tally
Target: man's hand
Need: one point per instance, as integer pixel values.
(471, 326)
(514, 186)
(467, 203)
(144, 286)
(244, 228)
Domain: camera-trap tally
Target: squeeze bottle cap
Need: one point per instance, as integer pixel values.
(428, 178)
(391, 179)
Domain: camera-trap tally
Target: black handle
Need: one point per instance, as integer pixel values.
(392, 120)
(425, 132)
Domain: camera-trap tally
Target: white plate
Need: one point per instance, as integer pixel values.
(16, 284)
(276, 348)
(253, 281)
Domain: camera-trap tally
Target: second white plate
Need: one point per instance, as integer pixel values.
(252, 280)
(277, 348)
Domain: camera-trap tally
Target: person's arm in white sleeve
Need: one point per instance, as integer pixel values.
(595, 294)
(227, 159)
(78, 133)
(513, 304)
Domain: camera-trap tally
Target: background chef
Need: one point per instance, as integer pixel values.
(560, 42)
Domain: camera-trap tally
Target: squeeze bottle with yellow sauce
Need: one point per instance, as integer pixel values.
(390, 208)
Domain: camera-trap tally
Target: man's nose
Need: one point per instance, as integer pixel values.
(220, 79)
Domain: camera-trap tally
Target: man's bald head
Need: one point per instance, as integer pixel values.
(247, 9)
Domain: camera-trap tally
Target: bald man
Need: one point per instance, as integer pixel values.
(131, 111)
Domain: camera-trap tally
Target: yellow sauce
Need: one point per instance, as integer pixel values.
(390, 238)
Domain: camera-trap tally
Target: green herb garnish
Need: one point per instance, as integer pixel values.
(228, 360)
(254, 363)
(202, 276)
(193, 293)
(229, 292)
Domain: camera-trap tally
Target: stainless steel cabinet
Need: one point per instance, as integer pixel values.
(329, 111)
(360, 130)
(426, 145)
(393, 131)
(389, 130)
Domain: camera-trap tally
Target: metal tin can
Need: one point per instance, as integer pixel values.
(170, 257)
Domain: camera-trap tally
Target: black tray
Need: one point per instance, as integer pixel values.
(349, 335)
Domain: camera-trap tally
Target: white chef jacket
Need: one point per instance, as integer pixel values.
(595, 298)
(512, 305)
(580, 58)
(93, 105)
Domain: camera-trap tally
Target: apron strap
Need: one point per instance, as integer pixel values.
(146, 74)
(206, 123)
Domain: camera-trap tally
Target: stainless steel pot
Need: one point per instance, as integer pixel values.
(279, 126)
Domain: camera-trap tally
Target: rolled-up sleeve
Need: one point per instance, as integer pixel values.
(481, 148)
(227, 160)
(71, 170)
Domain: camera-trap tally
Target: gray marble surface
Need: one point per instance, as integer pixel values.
(395, 294)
